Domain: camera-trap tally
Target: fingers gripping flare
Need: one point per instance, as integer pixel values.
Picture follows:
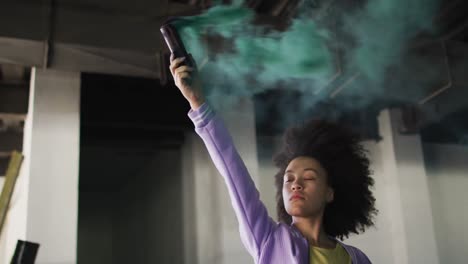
(186, 79)
(182, 73)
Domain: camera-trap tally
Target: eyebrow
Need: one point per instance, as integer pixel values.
(306, 169)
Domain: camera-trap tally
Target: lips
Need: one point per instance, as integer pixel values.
(296, 197)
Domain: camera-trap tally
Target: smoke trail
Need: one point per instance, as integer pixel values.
(253, 57)
(239, 57)
(382, 29)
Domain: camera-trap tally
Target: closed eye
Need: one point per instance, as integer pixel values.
(288, 177)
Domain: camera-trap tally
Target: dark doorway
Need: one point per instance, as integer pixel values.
(130, 203)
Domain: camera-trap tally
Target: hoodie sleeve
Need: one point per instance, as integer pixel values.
(254, 223)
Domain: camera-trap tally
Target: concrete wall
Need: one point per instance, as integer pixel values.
(44, 205)
(447, 171)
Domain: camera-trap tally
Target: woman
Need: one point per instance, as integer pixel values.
(323, 186)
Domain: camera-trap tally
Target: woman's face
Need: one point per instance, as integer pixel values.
(305, 188)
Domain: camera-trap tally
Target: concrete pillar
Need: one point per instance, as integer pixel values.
(447, 170)
(212, 232)
(44, 205)
(404, 231)
(405, 186)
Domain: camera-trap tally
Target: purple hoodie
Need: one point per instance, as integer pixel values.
(266, 240)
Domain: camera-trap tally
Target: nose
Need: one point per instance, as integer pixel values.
(296, 186)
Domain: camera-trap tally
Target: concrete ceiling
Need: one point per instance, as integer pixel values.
(119, 37)
(95, 36)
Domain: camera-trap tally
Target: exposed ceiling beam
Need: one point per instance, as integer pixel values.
(81, 24)
(81, 58)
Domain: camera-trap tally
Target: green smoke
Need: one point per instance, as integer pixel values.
(238, 57)
(254, 57)
(382, 29)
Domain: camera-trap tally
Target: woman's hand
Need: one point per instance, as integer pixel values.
(187, 81)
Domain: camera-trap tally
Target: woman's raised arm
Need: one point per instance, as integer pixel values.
(255, 225)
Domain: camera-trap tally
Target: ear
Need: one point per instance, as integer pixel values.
(330, 195)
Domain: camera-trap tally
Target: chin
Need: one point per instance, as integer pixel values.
(297, 212)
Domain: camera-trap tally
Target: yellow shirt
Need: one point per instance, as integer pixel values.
(337, 255)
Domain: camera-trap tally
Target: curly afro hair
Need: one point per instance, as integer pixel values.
(345, 160)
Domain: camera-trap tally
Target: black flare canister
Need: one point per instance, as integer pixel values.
(174, 42)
